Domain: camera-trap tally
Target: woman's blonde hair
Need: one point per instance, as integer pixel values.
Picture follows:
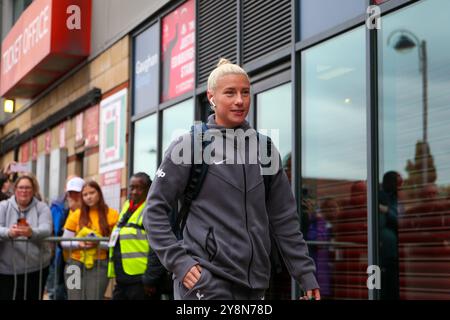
(224, 67)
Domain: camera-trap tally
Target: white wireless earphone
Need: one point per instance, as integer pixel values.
(213, 105)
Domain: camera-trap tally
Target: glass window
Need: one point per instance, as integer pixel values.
(145, 145)
(317, 16)
(274, 115)
(334, 163)
(177, 120)
(145, 70)
(414, 209)
(19, 7)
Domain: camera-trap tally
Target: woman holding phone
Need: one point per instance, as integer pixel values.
(94, 219)
(24, 257)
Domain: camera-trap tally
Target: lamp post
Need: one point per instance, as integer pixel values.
(407, 41)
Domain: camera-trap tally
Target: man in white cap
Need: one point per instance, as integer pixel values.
(60, 211)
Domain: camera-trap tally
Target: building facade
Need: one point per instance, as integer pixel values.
(353, 92)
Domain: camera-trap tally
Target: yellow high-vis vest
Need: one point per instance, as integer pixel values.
(134, 247)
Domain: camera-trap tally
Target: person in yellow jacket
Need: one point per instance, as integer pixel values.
(100, 219)
(138, 272)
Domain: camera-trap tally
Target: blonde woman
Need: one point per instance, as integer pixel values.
(225, 252)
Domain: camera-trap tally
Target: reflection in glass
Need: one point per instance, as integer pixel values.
(389, 209)
(19, 7)
(145, 146)
(334, 163)
(317, 16)
(274, 119)
(177, 120)
(415, 144)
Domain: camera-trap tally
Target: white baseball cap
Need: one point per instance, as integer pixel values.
(75, 184)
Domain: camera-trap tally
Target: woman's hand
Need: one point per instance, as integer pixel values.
(25, 231)
(87, 244)
(192, 277)
(20, 231)
(14, 232)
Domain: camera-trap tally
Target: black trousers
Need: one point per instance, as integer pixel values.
(133, 291)
(7, 283)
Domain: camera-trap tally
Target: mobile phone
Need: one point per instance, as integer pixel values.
(22, 222)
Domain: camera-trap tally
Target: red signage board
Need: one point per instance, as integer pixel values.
(25, 148)
(91, 120)
(62, 135)
(111, 178)
(79, 128)
(48, 142)
(178, 51)
(34, 149)
(50, 38)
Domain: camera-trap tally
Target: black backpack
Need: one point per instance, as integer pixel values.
(197, 177)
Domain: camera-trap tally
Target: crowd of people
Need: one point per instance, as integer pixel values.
(31, 267)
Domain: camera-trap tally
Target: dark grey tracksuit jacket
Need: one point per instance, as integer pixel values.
(227, 231)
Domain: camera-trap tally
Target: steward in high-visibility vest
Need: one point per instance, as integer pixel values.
(131, 248)
(131, 260)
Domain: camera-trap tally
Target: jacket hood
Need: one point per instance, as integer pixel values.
(14, 204)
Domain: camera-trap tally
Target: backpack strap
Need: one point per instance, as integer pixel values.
(196, 177)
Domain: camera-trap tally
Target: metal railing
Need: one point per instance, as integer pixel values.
(56, 269)
(51, 243)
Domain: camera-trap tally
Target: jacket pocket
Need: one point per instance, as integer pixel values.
(211, 244)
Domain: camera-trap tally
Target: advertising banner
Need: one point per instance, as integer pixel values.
(146, 71)
(91, 126)
(178, 51)
(112, 131)
(110, 183)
